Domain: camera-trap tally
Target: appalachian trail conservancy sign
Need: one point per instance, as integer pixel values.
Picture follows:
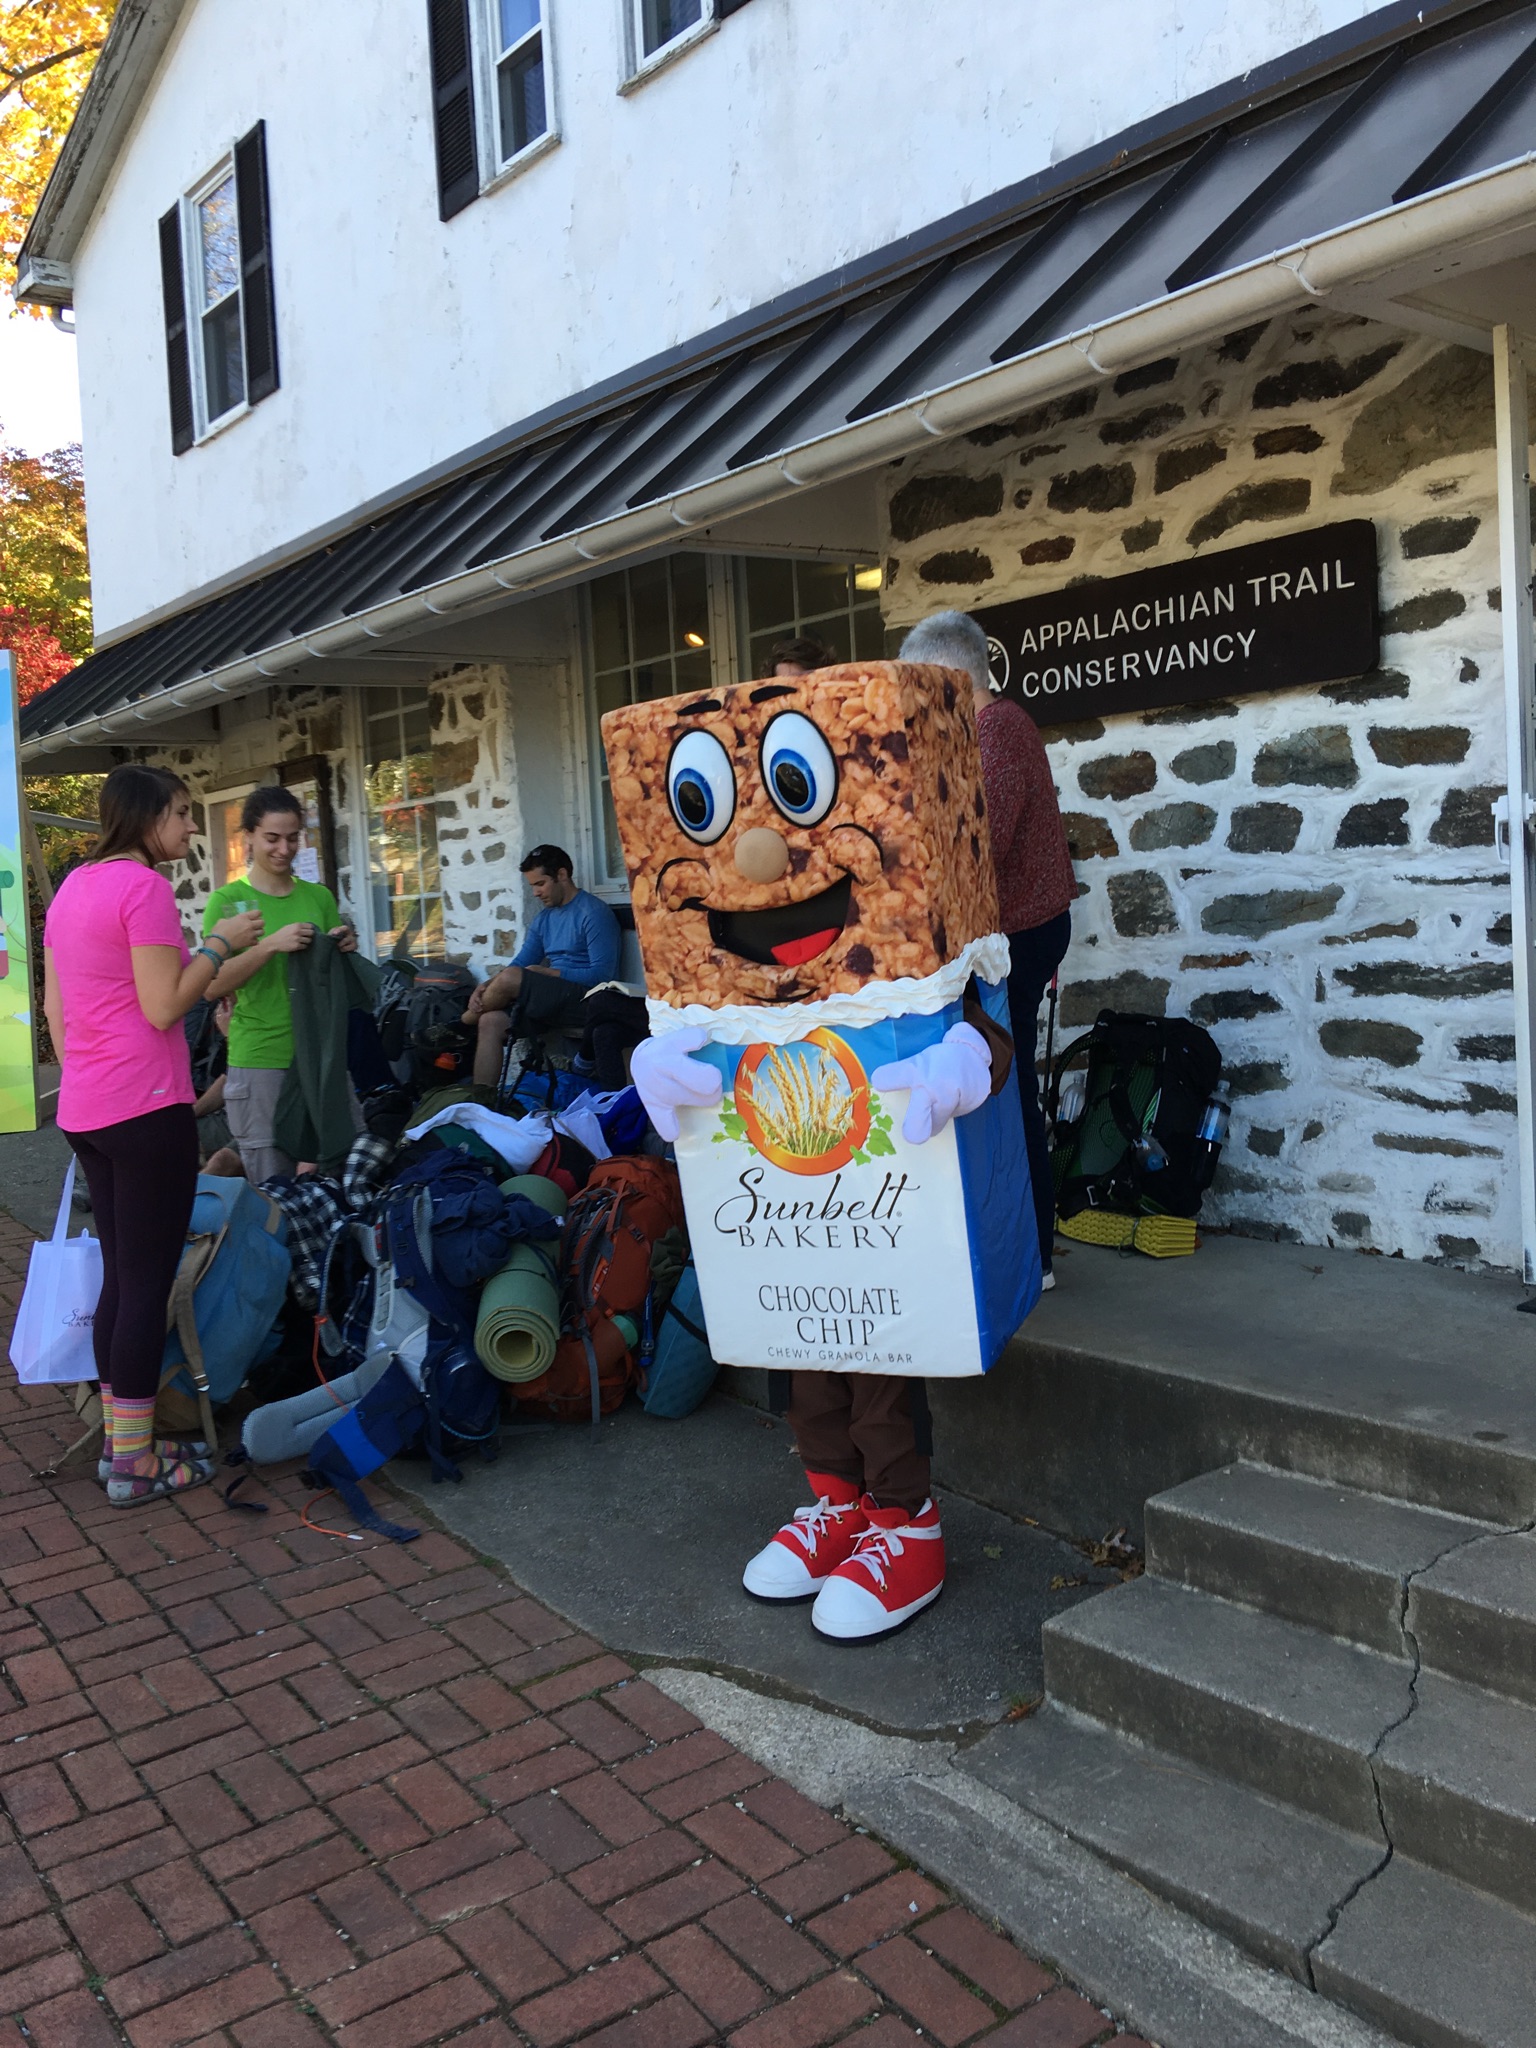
(1301, 609)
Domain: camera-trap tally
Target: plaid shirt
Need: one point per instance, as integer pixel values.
(316, 1207)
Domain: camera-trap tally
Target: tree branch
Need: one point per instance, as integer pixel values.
(30, 71)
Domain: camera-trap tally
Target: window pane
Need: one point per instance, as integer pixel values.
(648, 600)
(693, 672)
(610, 622)
(661, 20)
(402, 827)
(869, 636)
(521, 85)
(517, 17)
(770, 593)
(762, 650)
(223, 358)
(835, 636)
(822, 587)
(653, 680)
(220, 236)
(612, 691)
(690, 600)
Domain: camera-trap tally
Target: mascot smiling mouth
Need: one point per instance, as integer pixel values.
(789, 934)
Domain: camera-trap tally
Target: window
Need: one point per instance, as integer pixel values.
(226, 841)
(660, 22)
(837, 603)
(650, 637)
(515, 46)
(400, 796)
(491, 97)
(216, 281)
(666, 627)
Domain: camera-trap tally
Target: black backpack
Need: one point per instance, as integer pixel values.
(422, 1028)
(1134, 1149)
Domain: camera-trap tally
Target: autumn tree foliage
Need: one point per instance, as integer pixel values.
(45, 588)
(47, 50)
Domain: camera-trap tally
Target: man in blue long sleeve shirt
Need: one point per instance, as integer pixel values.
(572, 945)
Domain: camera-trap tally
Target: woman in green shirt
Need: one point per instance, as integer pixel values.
(261, 1029)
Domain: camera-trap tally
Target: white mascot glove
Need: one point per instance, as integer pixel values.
(947, 1080)
(667, 1077)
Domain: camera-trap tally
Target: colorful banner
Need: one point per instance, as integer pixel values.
(18, 1044)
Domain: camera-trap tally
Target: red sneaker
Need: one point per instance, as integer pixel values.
(895, 1570)
(797, 1563)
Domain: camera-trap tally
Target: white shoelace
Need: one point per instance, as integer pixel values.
(813, 1522)
(874, 1550)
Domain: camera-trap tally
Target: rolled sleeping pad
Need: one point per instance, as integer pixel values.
(288, 1429)
(519, 1321)
(629, 1330)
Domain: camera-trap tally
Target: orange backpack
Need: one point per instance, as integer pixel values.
(605, 1264)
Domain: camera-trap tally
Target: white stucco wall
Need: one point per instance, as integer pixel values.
(797, 137)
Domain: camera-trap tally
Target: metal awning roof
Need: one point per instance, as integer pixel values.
(1389, 185)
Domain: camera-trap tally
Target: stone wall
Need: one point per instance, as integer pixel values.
(1310, 874)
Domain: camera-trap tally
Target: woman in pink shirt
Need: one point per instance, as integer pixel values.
(119, 980)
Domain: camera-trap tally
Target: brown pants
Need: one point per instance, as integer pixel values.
(871, 1428)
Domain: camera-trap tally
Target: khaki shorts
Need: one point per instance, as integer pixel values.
(250, 1104)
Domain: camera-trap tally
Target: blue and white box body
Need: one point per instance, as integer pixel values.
(823, 1240)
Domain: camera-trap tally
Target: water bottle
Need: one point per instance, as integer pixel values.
(1072, 1099)
(1150, 1155)
(1211, 1135)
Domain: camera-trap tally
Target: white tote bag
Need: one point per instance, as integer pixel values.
(51, 1344)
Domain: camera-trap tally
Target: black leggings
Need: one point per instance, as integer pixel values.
(1036, 955)
(142, 1175)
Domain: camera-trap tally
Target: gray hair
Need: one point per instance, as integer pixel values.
(951, 640)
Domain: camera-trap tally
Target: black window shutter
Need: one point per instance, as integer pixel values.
(178, 360)
(258, 305)
(453, 105)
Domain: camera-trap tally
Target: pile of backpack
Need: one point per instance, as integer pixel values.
(387, 1353)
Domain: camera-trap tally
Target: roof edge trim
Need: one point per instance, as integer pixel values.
(130, 57)
(1306, 272)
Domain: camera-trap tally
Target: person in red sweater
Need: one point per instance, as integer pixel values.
(1035, 883)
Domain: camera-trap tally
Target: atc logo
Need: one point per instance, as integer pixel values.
(997, 662)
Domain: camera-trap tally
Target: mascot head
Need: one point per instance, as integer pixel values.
(799, 838)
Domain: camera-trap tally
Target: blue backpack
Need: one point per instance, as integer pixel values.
(463, 1408)
(387, 1420)
(682, 1371)
(228, 1293)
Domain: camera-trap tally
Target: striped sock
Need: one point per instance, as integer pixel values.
(133, 1430)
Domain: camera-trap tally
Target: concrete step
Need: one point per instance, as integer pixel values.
(1435, 1962)
(1135, 1375)
(1474, 1615)
(1277, 1707)
(1267, 1876)
(1305, 1549)
(1458, 1788)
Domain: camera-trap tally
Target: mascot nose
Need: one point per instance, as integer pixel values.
(761, 855)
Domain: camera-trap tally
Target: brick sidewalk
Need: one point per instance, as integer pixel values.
(268, 1788)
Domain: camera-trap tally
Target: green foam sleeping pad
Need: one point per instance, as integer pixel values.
(519, 1321)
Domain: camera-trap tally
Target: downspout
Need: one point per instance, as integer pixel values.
(1515, 811)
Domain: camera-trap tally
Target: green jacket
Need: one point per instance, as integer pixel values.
(314, 1111)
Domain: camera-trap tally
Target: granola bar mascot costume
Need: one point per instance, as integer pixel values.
(814, 895)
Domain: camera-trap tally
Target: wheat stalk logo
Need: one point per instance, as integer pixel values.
(807, 1106)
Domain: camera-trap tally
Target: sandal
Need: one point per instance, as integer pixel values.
(177, 1451)
(131, 1493)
